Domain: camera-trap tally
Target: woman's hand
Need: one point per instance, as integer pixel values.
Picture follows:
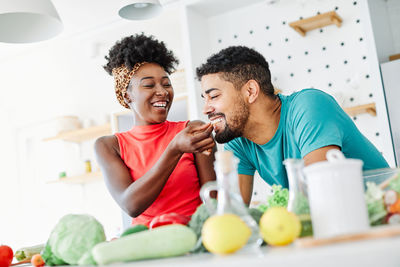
(194, 138)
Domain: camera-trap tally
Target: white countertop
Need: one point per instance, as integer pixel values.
(378, 252)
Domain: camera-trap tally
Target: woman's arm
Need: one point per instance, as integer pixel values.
(136, 197)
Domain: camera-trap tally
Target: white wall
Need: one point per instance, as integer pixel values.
(335, 60)
(63, 76)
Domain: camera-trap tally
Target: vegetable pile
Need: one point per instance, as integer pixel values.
(383, 206)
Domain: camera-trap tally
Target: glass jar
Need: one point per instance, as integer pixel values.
(298, 196)
(229, 197)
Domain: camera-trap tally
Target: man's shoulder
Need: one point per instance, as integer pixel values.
(309, 95)
(310, 99)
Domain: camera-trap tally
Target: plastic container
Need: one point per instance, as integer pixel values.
(381, 177)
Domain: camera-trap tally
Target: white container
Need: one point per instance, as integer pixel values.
(336, 196)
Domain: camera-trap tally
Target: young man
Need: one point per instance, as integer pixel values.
(263, 129)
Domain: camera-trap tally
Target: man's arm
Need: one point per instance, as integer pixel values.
(246, 187)
(318, 155)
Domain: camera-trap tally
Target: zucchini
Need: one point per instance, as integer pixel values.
(164, 241)
(26, 253)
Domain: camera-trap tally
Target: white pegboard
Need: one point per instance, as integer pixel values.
(331, 59)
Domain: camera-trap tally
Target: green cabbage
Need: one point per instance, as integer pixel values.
(74, 236)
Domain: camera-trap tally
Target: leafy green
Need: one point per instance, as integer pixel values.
(395, 184)
(279, 198)
(375, 204)
(49, 258)
(301, 205)
(74, 235)
(196, 223)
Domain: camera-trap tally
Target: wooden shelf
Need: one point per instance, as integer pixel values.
(367, 108)
(83, 134)
(394, 57)
(80, 179)
(304, 25)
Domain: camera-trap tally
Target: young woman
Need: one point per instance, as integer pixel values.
(158, 166)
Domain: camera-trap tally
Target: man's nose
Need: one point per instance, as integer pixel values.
(207, 109)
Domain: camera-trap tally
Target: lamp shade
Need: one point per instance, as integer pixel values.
(28, 21)
(139, 9)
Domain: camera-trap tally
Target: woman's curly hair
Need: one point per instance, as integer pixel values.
(239, 64)
(140, 48)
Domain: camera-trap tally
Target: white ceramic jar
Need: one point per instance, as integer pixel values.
(336, 196)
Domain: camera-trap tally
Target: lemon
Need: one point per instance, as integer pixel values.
(224, 234)
(279, 227)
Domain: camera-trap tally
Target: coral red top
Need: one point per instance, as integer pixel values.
(140, 149)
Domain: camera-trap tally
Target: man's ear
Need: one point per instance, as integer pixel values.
(252, 90)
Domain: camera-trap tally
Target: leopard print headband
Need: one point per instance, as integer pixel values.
(122, 77)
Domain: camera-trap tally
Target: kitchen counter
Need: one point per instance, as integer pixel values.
(377, 252)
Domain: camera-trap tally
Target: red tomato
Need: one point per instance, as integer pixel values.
(6, 256)
(169, 218)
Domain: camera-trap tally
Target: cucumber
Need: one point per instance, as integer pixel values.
(134, 229)
(161, 242)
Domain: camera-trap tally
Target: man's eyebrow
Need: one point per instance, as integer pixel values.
(208, 91)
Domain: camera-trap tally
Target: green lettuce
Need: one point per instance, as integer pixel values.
(279, 198)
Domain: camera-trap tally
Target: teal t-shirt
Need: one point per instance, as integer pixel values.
(310, 119)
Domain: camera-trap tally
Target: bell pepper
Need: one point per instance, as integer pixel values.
(169, 218)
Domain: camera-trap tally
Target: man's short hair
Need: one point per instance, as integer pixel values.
(239, 64)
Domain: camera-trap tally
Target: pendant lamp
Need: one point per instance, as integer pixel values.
(139, 9)
(28, 21)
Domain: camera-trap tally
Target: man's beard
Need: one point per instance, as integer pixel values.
(236, 127)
